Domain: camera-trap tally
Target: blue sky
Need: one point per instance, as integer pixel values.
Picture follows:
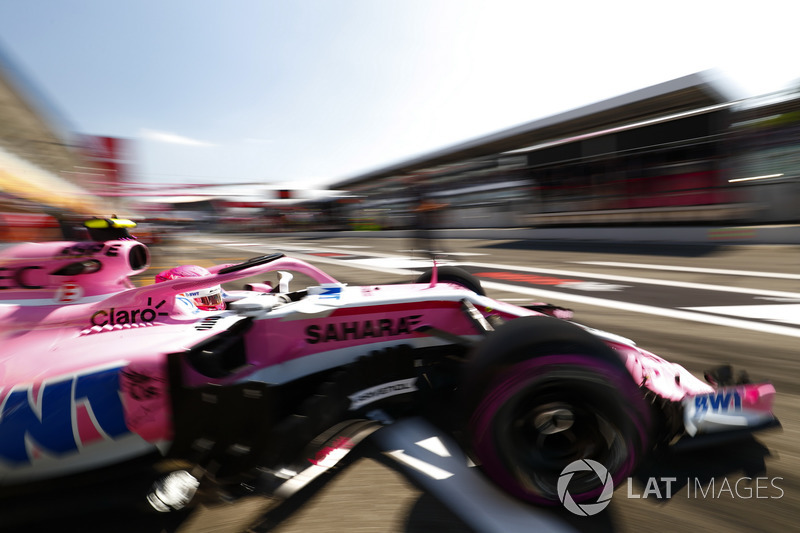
(314, 91)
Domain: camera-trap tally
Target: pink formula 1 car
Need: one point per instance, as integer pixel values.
(95, 371)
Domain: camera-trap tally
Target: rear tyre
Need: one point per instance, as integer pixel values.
(452, 274)
(542, 393)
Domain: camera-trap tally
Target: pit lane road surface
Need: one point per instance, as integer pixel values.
(695, 305)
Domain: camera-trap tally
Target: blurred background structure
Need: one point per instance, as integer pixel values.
(52, 177)
(681, 152)
(46, 169)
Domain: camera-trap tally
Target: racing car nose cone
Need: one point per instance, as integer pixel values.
(553, 421)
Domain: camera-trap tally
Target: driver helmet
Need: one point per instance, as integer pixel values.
(208, 298)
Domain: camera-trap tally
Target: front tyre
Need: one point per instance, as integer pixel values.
(542, 394)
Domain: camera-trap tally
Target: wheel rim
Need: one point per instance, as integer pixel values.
(547, 430)
(541, 415)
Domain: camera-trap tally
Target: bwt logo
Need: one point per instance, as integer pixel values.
(719, 401)
(61, 416)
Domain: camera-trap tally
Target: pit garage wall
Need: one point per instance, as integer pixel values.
(691, 235)
(512, 215)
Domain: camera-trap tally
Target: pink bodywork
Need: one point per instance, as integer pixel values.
(668, 380)
(98, 345)
(99, 333)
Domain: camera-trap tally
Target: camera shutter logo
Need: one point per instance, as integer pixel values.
(585, 509)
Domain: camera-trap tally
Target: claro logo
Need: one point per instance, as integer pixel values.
(114, 316)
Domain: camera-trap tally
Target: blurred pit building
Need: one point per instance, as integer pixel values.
(684, 152)
(47, 171)
(681, 152)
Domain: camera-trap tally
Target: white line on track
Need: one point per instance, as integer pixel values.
(649, 281)
(426, 468)
(786, 313)
(445, 254)
(647, 309)
(549, 295)
(748, 273)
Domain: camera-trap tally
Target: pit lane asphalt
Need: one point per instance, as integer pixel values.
(370, 495)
